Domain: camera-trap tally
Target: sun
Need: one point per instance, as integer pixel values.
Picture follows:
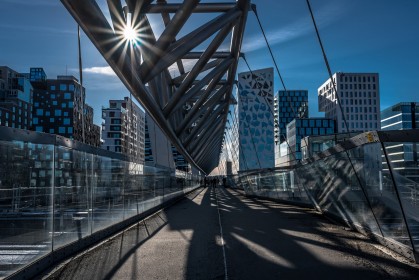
(130, 34)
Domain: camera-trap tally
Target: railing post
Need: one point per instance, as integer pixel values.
(390, 169)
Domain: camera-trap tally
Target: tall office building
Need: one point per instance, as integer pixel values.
(16, 98)
(58, 108)
(256, 120)
(359, 97)
(403, 115)
(288, 105)
(123, 130)
(404, 157)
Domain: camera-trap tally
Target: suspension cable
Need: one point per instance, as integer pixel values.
(329, 71)
(296, 116)
(343, 115)
(83, 97)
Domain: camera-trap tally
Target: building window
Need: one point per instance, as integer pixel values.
(61, 129)
(66, 121)
(39, 112)
(52, 87)
(63, 87)
(57, 112)
(67, 95)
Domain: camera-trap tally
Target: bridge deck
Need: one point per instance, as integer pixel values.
(262, 240)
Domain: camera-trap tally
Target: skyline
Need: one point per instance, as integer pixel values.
(378, 41)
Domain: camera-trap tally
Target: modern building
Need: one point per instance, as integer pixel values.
(123, 130)
(403, 115)
(16, 98)
(300, 128)
(59, 108)
(256, 119)
(359, 96)
(403, 157)
(288, 105)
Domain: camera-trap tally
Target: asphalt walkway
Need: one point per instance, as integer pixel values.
(220, 234)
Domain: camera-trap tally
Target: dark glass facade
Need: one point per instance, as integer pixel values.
(289, 105)
(58, 109)
(16, 96)
(403, 156)
(300, 128)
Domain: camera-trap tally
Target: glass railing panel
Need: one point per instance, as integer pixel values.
(338, 191)
(132, 189)
(107, 202)
(71, 195)
(26, 178)
(404, 163)
(380, 191)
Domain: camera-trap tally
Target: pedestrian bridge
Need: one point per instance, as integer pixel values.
(327, 216)
(348, 211)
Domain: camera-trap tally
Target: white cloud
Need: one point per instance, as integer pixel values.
(105, 70)
(325, 16)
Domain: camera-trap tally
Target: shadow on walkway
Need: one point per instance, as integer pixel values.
(264, 240)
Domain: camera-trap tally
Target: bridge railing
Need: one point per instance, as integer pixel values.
(370, 182)
(55, 193)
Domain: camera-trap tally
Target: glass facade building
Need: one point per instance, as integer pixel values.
(300, 128)
(403, 156)
(256, 119)
(288, 105)
(58, 109)
(16, 99)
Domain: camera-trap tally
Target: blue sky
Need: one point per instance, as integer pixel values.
(359, 36)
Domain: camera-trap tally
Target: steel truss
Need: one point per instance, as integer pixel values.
(191, 107)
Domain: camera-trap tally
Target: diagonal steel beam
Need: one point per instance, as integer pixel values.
(209, 136)
(166, 19)
(178, 80)
(168, 35)
(194, 111)
(226, 17)
(208, 118)
(200, 8)
(205, 135)
(117, 15)
(216, 55)
(196, 70)
(182, 50)
(210, 152)
(125, 60)
(204, 110)
(216, 72)
(91, 19)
